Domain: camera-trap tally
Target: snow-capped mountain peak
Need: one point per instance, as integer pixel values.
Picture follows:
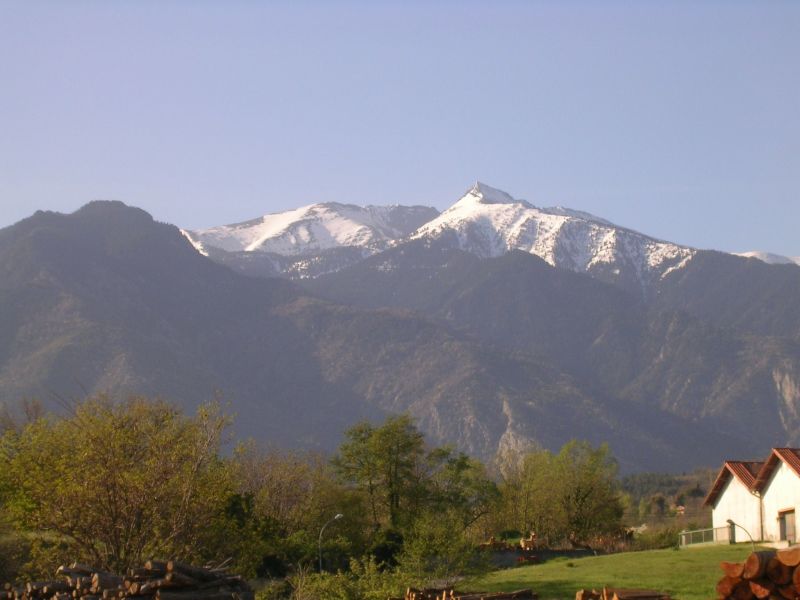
(486, 194)
(315, 228)
(486, 221)
(489, 222)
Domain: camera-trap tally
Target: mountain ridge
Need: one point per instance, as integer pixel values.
(486, 353)
(322, 238)
(108, 300)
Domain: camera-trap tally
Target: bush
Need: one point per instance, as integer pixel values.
(657, 539)
(365, 581)
(275, 590)
(14, 553)
(437, 548)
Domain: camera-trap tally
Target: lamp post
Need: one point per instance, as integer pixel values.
(732, 524)
(335, 518)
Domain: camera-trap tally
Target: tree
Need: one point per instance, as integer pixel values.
(569, 495)
(384, 462)
(588, 489)
(437, 549)
(282, 500)
(115, 483)
(530, 496)
(459, 484)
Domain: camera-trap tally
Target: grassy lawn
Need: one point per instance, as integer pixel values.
(689, 574)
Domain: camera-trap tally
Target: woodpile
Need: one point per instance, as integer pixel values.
(620, 594)
(767, 574)
(156, 580)
(450, 594)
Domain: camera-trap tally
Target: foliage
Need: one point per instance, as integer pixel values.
(460, 486)
(364, 580)
(115, 483)
(646, 485)
(657, 539)
(385, 463)
(570, 495)
(282, 500)
(438, 548)
(588, 492)
(29, 410)
(400, 478)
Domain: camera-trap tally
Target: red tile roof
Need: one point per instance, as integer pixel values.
(753, 474)
(745, 471)
(790, 456)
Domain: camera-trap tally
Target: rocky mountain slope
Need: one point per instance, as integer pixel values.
(696, 360)
(613, 342)
(106, 299)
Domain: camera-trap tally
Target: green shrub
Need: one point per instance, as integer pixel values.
(657, 539)
(275, 590)
(364, 581)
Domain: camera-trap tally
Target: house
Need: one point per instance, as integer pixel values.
(733, 497)
(759, 497)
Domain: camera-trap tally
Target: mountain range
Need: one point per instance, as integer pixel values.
(495, 323)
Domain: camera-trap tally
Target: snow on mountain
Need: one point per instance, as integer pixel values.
(315, 228)
(489, 222)
(769, 258)
(322, 238)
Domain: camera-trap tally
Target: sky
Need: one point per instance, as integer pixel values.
(677, 119)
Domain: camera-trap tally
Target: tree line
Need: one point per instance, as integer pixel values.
(114, 483)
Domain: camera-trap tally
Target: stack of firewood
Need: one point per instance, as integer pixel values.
(765, 574)
(157, 580)
(450, 594)
(620, 594)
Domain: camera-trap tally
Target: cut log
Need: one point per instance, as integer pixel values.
(756, 564)
(198, 573)
(726, 585)
(778, 572)
(179, 579)
(742, 591)
(790, 556)
(762, 588)
(156, 566)
(732, 569)
(102, 580)
(787, 591)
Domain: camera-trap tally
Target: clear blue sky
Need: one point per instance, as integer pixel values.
(679, 119)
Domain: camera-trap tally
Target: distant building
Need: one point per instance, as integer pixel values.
(759, 496)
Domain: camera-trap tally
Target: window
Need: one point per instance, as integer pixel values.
(786, 523)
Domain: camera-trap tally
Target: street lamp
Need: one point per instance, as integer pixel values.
(732, 524)
(335, 518)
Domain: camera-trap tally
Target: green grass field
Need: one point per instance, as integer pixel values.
(689, 574)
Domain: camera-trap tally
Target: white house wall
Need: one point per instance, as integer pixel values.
(737, 503)
(781, 493)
